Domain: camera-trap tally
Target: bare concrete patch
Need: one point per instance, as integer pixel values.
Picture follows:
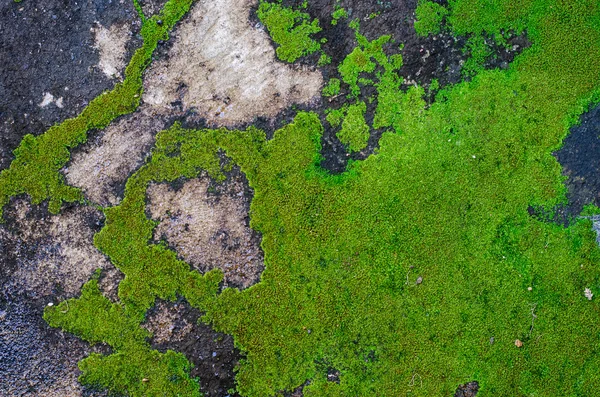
(207, 225)
(111, 44)
(101, 165)
(225, 70)
(54, 254)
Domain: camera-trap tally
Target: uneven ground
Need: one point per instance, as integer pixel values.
(448, 250)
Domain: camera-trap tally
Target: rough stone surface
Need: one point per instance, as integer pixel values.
(45, 259)
(102, 166)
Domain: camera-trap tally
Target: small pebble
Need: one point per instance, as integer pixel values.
(518, 343)
(529, 289)
(419, 280)
(50, 304)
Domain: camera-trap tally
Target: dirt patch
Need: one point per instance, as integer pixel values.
(102, 166)
(579, 158)
(207, 224)
(47, 48)
(45, 259)
(467, 390)
(224, 69)
(176, 326)
(52, 255)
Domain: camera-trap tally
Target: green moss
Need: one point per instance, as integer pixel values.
(338, 14)
(38, 159)
(430, 17)
(479, 52)
(290, 29)
(133, 367)
(332, 88)
(444, 199)
(355, 131)
(324, 59)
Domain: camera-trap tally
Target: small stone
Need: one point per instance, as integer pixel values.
(419, 280)
(145, 380)
(529, 288)
(518, 343)
(50, 304)
(588, 294)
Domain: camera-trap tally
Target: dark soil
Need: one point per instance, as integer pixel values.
(46, 46)
(467, 390)
(579, 158)
(212, 353)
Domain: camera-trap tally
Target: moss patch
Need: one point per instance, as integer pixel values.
(290, 29)
(416, 270)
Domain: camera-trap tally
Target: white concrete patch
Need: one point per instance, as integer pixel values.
(111, 45)
(49, 99)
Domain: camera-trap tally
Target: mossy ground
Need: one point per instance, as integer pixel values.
(411, 273)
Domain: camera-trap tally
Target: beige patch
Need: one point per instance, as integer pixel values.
(111, 45)
(209, 231)
(122, 148)
(64, 250)
(166, 324)
(225, 69)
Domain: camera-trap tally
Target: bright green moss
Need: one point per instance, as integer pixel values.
(324, 59)
(430, 17)
(338, 14)
(133, 368)
(38, 159)
(445, 198)
(355, 131)
(290, 29)
(332, 88)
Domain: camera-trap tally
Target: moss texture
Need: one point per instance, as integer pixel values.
(290, 29)
(414, 271)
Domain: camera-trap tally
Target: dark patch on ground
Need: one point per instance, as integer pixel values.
(467, 390)
(46, 46)
(212, 353)
(579, 157)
